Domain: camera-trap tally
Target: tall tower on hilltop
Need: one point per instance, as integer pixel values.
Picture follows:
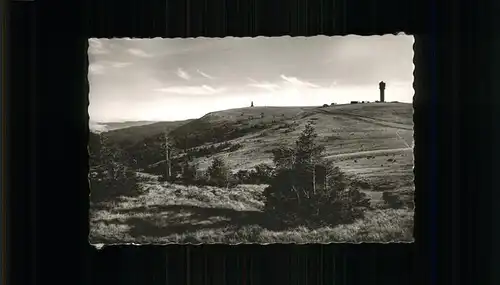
(381, 86)
(251, 104)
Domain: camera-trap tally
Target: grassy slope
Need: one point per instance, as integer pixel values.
(372, 141)
(369, 141)
(167, 213)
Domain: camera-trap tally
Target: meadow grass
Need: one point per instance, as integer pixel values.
(168, 213)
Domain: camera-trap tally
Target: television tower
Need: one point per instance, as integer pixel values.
(381, 86)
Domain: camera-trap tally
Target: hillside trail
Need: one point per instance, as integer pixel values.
(368, 152)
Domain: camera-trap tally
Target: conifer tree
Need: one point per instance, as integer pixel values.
(307, 189)
(218, 172)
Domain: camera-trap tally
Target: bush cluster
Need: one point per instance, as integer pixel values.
(307, 190)
(109, 176)
(260, 174)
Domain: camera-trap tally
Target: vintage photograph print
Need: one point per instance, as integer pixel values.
(251, 140)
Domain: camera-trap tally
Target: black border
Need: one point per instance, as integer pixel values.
(48, 219)
(18, 145)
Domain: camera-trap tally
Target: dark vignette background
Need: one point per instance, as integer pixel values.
(47, 131)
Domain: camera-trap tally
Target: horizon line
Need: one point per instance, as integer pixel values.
(265, 106)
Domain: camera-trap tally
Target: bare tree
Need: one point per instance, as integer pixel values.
(168, 163)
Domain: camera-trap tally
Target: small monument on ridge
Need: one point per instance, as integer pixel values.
(381, 86)
(251, 104)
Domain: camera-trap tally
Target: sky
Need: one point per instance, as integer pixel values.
(175, 79)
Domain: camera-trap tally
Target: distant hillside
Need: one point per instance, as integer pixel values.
(343, 129)
(361, 137)
(245, 137)
(110, 126)
(138, 133)
(222, 126)
(122, 125)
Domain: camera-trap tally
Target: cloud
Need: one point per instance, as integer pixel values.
(101, 66)
(120, 64)
(266, 86)
(138, 52)
(96, 47)
(95, 68)
(204, 74)
(191, 90)
(182, 74)
(298, 83)
(293, 81)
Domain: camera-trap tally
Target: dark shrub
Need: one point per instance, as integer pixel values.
(392, 200)
(290, 201)
(235, 147)
(112, 182)
(218, 173)
(306, 190)
(109, 177)
(193, 176)
(242, 176)
(262, 174)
